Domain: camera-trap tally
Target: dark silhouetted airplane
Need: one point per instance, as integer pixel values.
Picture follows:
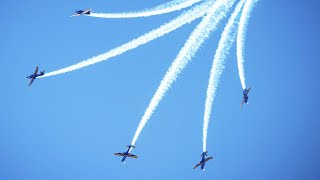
(82, 12)
(203, 160)
(35, 75)
(245, 96)
(127, 154)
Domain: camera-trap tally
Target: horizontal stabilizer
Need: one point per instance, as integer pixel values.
(131, 146)
(204, 153)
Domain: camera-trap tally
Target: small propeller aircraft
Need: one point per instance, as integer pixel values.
(35, 75)
(203, 160)
(245, 96)
(82, 12)
(127, 154)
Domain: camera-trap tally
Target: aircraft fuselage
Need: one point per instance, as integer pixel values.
(245, 95)
(203, 160)
(34, 76)
(82, 12)
(126, 155)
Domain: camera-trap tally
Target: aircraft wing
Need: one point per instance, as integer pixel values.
(197, 165)
(208, 159)
(119, 154)
(86, 11)
(31, 81)
(132, 156)
(241, 104)
(36, 71)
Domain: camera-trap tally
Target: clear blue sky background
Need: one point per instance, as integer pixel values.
(68, 126)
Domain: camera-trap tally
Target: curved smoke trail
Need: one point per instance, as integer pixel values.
(185, 18)
(161, 9)
(245, 15)
(209, 23)
(226, 40)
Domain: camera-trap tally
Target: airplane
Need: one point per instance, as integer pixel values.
(127, 154)
(245, 96)
(35, 75)
(203, 160)
(82, 12)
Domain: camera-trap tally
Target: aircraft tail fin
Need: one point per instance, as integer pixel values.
(204, 153)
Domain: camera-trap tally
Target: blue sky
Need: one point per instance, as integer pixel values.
(68, 126)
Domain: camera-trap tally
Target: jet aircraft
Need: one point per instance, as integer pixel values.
(245, 96)
(82, 12)
(203, 160)
(35, 75)
(127, 154)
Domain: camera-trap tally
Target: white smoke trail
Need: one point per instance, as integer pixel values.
(161, 9)
(242, 28)
(184, 18)
(209, 23)
(226, 40)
